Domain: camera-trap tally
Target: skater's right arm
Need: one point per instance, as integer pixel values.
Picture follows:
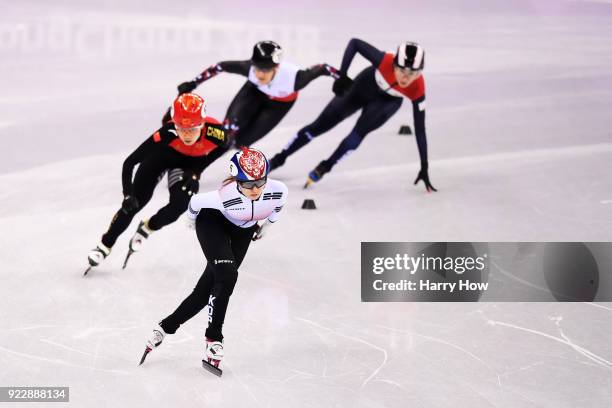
(355, 45)
(210, 199)
(233, 67)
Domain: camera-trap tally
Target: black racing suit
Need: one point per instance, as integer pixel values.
(377, 107)
(162, 152)
(225, 246)
(252, 114)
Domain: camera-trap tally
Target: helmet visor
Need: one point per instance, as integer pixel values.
(407, 70)
(253, 183)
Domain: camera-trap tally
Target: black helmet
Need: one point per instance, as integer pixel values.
(410, 56)
(266, 54)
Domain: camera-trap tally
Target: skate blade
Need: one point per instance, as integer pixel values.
(309, 182)
(87, 270)
(127, 257)
(211, 368)
(144, 355)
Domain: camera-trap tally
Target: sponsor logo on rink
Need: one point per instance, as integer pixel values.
(483, 271)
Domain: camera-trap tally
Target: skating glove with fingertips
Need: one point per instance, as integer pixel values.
(260, 231)
(424, 175)
(342, 85)
(186, 87)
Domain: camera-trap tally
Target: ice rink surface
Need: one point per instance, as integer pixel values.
(518, 119)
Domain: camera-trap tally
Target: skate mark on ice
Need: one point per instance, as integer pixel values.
(382, 350)
(92, 330)
(581, 350)
(598, 306)
(242, 383)
(41, 326)
(59, 361)
(398, 385)
(63, 346)
(516, 278)
(447, 343)
(597, 359)
(548, 214)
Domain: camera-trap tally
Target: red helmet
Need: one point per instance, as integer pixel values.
(188, 110)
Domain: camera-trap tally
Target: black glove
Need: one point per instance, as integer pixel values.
(341, 85)
(189, 182)
(187, 87)
(130, 204)
(423, 175)
(260, 230)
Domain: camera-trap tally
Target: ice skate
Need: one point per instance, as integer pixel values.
(317, 173)
(214, 355)
(142, 233)
(96, 256)
(154, 341)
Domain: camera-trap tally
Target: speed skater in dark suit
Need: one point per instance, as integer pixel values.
(180, 148)
(226, 221)
(378, 91)
(271, 89)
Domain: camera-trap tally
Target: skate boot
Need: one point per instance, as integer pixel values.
(214, 355)
(142, 233)
(154, 341)
(96, 256)
(317, 173)
(277, 161)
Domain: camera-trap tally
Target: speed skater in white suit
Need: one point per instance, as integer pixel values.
(226, 221)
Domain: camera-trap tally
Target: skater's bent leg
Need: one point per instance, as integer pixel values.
(216, 235)
(244, 107)
(266, 120)
(225, 277)
(373, 116)
(144, 184)
(347, 146)
(179, 200)
(241, 240)
(338, 109)
(192, 304)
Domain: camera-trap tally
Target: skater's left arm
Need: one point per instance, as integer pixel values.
(418, 110)
(305, 76)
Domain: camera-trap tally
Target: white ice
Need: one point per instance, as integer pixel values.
(518, 120)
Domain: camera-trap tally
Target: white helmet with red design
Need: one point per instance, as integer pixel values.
(249, 164)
